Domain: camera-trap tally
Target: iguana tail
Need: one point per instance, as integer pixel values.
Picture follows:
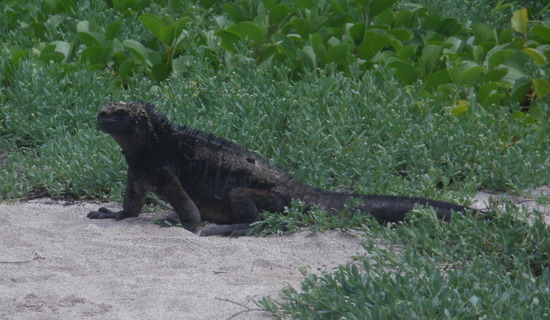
(395, 208)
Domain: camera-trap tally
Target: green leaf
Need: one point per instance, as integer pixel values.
(456, 74)
(305, 4)
(482, 32)
(166, 35)
(277, 13)
(206, 4)
(125, 68)
(357, 31)
(180, 23)
(339, 6)
(536, 55)
(479, 53)
(377, 6)
(284, 41)
(497, 56)
(120, 56)
(48, 54)
(493, 99)
(337, 54)
(489, 94)
(333, 41)
(429, 58)
(537, 111)
(154, 57)
(495, 75)
(449, 27)
(465, 76)
(373, 43)
(308, 54)
(268, 4)
(112, 30)
(447, 89)
(63, 47)
(506, 36)
(16, 54)
(403, 70)
(407, 51)
(160, 71)
(387, 16)
(437, 78)
(519, 20)
(234, 12)
(401, 34)
(455, 44)
(96, 55)
(542, 87)
(152, 23)
(182, 35)
(520, 89)
(83, 26)
(526, 118)
(316, 42)
(91, 39)
(268, 52)
(542, 31)
(303, 27)
(137, 49)
(518, 66)
(403, 18)
(460, 107)
(247, 30)
(229, 40)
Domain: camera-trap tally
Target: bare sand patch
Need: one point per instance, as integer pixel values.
(57, 264)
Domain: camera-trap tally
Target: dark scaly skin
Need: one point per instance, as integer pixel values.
(207, 178)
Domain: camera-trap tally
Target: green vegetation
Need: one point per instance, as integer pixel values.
(300, 217)
(388, 97)
(426, 269)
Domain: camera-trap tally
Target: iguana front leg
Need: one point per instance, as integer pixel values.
(168, 187)
(246, 205)
(134, 200)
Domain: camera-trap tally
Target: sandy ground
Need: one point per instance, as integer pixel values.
(57, 264)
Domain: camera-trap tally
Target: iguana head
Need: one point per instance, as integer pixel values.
(127, 122)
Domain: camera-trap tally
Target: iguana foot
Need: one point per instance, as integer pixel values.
(104, 213)
(232, 230)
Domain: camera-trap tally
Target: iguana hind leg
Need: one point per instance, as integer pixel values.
(247, 204)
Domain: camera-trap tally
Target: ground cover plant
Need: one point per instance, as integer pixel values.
(428, 270)
(442, 109)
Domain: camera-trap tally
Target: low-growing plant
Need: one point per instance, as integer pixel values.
(455, 60)
(495, 12)
(353, 128)
(463, 269)
(301, 216)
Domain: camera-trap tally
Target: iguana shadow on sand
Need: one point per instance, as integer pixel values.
(207, 178)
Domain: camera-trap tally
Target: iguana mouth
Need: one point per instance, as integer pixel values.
(108, 125)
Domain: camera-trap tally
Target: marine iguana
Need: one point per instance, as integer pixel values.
(204, 177)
